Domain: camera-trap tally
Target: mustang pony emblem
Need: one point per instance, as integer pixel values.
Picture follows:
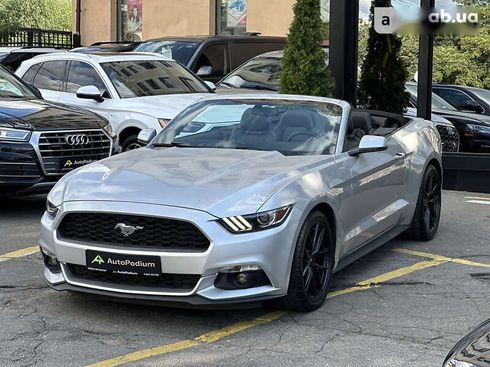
(126, 230)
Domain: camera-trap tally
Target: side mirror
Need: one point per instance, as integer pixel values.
(205, 71)
(369, 144)
(210, 85)
(146, 136)
(90, 92)
(36, 91)
(472, 106)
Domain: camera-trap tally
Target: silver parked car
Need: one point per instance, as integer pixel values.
(244, 198)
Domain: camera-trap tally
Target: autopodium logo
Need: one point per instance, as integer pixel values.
(98, 260)
(389, 20)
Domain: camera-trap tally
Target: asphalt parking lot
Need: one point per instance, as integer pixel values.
(406, 304)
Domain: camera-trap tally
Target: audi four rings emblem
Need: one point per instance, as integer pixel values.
(78, 139)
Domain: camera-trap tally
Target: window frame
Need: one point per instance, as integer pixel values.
(200, 51)
(63, 80)
(107, 93)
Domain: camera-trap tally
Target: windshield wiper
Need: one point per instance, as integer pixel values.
(228, 84)
(172, 144)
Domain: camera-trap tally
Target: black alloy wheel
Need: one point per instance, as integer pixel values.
(311, 270)
(316, 260)
(428, 210)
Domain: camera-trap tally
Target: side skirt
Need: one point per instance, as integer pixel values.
(370, 246)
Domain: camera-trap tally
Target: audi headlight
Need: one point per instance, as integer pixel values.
(256, 222)
(479, 128)
(14, 134)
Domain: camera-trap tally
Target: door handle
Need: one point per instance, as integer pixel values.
(400, 155)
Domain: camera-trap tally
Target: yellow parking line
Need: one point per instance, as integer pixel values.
(219, 334)
(442, 258)
(19, 253)
(477, 198)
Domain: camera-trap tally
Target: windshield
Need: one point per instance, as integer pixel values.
(180, 51)
(437, 102)
(10, 87)
(258, 73)
(290, 127)
(482, 93)
(151, 78)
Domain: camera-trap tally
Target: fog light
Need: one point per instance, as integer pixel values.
(241, 278)
(51, 262)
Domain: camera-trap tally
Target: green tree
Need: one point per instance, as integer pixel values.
(458, 59)
(384, 74)
(45, 14)
(304, 68)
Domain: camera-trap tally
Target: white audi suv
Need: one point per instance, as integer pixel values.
(134, 91)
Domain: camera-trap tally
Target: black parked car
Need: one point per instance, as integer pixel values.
(474, 130)
(473, 350)
(12, 57)
(465, 98)
(107, 47)
(41, 141)
(212, 57)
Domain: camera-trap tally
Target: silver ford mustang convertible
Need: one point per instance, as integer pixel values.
(243, 198)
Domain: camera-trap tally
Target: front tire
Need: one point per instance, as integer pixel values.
(425, 221)
(311, 271)
(131, 143)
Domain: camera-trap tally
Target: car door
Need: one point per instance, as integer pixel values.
(49, 79)
(82, 74)
(378, 197)
(457, 98)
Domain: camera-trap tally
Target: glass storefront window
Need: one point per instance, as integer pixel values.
(130, 20)
(232, 17)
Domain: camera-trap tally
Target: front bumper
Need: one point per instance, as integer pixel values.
(271, 250)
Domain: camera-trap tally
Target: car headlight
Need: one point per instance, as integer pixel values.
(479, 128)
(109, 130)
(14, 134)
(163, 123)
(55, 199)
(256, 222)
(51, 209)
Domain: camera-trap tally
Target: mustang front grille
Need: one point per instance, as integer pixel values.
(56, 147)
(146, 232)
(170, 281)
(449, 138)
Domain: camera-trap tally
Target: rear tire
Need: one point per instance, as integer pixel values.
(425, 221)
(131, 143)
(311, 271)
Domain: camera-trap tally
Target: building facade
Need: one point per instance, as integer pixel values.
(135, 20)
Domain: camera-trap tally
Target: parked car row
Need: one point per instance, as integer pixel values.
(134, 87)
(40, 141)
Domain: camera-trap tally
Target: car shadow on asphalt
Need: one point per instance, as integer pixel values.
(22, 206)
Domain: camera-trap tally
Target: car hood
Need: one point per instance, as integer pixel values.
(42, 115)
(218, 181)
(166, 106)
(478, 119)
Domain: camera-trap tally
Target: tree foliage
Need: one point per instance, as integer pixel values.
(45, 14)
(383, 72)
(461, 59)
(304, 69)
